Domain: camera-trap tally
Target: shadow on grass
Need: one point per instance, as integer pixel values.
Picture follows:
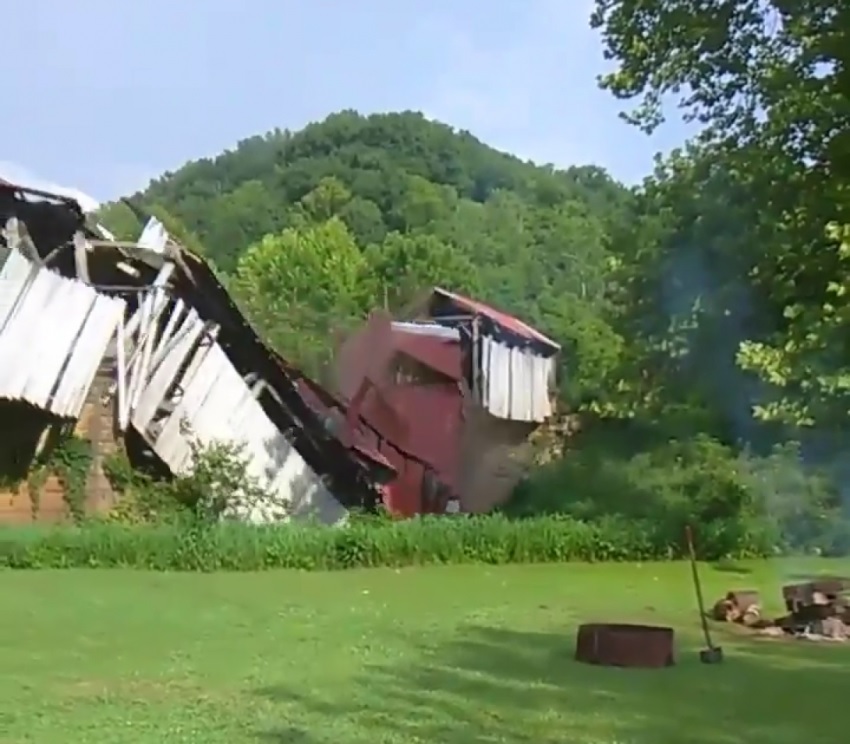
(731, 568)
(495, 685)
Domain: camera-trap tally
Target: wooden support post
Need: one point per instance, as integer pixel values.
(154, 302)
(18, 239)
(160, 281)
(477, 392)
(81, 257)
(121, 376)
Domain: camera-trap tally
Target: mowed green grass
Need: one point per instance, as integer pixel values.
(444, 655)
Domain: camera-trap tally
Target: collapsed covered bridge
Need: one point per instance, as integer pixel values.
(141, 342)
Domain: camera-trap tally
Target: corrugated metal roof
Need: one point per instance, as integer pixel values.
(515, 325)
(427, 329)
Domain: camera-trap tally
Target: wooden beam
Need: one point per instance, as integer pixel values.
(121, 376)
(18, 238)
(81, 257)
(128, 249)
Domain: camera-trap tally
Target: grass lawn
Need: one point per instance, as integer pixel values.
(456, 655)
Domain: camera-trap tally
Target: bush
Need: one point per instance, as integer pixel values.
(740, 502)
(364, 543)
(217, 487)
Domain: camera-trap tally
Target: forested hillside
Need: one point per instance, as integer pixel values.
(317, 227)
(704, 315)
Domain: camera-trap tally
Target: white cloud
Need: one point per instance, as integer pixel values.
(22, 176)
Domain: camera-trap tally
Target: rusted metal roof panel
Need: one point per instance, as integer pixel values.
(509, 322)
(437, 411)
(351, 437)
(440, 355)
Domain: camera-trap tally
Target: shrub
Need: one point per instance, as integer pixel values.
(217, 487)
(363, 543)
(799, 507)
(740, 502)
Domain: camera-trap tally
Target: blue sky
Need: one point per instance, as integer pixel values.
(103, 95)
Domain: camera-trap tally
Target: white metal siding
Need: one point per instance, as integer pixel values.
(53, 335)
(217, 405)
(13, 272)
(166, 369)
(427, 329)
(515, 382)
(86, 354)
(154, 236)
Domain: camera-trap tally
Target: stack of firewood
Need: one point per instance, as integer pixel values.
(741, 607)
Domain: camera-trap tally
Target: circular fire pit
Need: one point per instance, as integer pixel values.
(612, 644)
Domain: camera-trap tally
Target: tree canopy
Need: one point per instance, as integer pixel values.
(770, 83)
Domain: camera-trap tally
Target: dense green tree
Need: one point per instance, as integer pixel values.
(403, 265)
(236, 218)
(377, 158)
(770, 84)
(302, 285)
(120, 220)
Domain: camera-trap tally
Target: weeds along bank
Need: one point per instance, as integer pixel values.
(365, 542)
(178, 525)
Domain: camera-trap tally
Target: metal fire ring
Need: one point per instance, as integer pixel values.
(623, 645)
